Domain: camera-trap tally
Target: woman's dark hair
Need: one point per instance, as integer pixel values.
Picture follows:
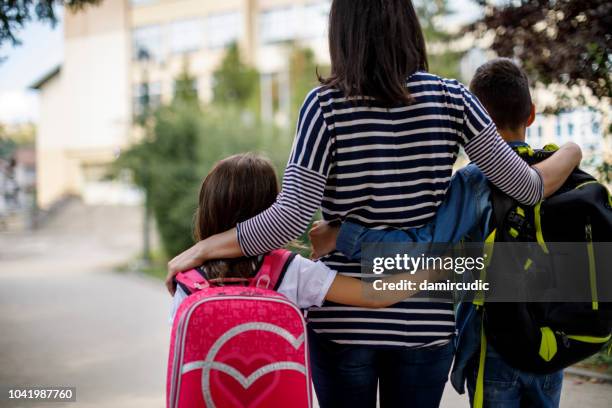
(375, 45)
(236, 189)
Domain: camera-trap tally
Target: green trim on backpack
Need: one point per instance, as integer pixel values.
(592, 266)
(488, 255)
(525, 150)
(538, 227)
(587, 183)
(590, 339)
(551, 147)
(548, 344)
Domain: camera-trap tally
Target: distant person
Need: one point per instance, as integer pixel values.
(503, 88)
(376, 144)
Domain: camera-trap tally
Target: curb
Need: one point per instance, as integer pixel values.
(581, 372)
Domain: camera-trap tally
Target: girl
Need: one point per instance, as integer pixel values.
(376, 144)
(242, 186)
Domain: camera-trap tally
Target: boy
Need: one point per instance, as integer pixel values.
(503, 88)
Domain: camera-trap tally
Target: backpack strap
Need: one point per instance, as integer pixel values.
(192, 281)
(274, 267)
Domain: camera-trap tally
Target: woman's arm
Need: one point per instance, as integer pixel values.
(556, 169)
(503, 167)
(303, 186)
(220, 246)
(354, 292)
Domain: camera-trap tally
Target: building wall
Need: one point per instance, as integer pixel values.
(581, 125)
(88, 108)
(85, 109)
(53, 178)
(261, 28)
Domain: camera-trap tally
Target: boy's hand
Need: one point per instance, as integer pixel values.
(323, 238)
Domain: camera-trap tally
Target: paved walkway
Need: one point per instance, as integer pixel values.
(68, 319)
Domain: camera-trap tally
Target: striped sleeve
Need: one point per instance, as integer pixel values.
(502, 166)
(303, 186)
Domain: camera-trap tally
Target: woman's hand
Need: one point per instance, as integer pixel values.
(557, 168)
(189, 259)
(323, 238)
(220, 246)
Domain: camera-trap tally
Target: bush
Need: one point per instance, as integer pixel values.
(182, 145)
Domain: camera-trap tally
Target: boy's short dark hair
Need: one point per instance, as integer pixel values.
(503, 88)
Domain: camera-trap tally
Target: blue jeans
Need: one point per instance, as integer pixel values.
(506, 387)
(349, 375)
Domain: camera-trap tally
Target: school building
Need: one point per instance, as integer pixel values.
(114, 51)
(121, 50)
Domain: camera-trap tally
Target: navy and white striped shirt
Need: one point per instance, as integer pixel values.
(384, 168)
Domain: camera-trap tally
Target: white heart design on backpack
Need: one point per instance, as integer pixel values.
(209, 364)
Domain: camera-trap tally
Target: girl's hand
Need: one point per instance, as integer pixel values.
(323, 238)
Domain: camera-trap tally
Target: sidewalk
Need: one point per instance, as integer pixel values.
(68, 319)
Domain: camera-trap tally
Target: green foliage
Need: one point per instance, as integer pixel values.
(181, 146)
(429, 12)
(444, 61)
(184, 88)
(15, 14)
(446, 64)
(302, 76)
(184, 139)
(234, 82)
(566, 42)
(7, 147)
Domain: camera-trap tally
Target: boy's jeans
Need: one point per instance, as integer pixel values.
(506, 387)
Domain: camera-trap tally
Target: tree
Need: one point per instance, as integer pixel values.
(443, 60)
(303, 72)
(14, 14)
(182, 142)
(558, 41)
(234, 82)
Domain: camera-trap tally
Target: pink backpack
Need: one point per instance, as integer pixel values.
(239, 346)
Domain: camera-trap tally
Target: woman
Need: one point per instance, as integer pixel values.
(376, 144)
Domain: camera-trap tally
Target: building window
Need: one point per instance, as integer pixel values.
(277, 25)
(186, 36)
(147, 43)
(570, 129)
(558, 129)
(223, 29)
(147, 96)
(540, 132)
(595, 128)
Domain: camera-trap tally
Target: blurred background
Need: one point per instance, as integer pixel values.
(112, 112)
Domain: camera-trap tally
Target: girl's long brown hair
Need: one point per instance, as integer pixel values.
(236, 189)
